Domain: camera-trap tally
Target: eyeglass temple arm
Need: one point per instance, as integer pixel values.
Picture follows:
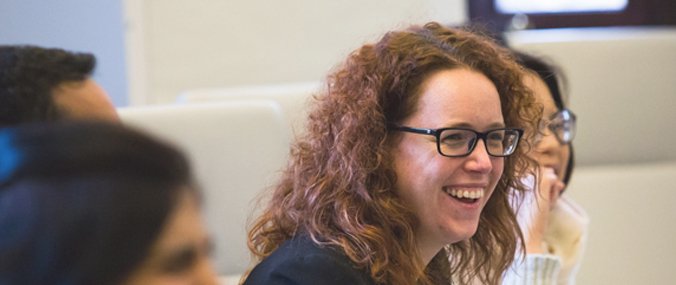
(413, 130)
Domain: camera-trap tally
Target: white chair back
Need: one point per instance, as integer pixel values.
(236, 148)
(293, 98)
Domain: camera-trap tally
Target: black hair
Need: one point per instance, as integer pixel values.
(83, 202)
(553, 77)
(29, 74)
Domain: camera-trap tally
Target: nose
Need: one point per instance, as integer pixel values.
(479, 160)
(205, 274)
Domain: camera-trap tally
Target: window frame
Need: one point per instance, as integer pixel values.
(636, 13)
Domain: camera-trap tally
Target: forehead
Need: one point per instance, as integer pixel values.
(184, 223)
(84, 100)
(541, 92)
(458, 96)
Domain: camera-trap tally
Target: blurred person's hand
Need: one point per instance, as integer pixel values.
(533, 212)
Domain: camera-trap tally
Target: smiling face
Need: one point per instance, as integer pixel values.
(549, 152)
(429, 182)
(181, 253)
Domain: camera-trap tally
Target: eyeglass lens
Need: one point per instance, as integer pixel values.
(563, 126)
(460, 142)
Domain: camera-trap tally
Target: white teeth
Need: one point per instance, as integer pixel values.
(470, 193)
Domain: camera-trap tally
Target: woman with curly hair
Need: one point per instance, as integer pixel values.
(405, 170)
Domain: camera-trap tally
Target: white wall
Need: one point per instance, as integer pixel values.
(631, 233)
(79, 25)
(214, 43)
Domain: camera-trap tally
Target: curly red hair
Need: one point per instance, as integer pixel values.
(338, 185)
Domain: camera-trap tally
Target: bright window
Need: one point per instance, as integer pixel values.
(501, 15)
(559, 6)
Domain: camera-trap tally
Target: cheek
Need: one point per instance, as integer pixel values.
(416, 172)
(565, 159)
(498, 170)
(407, 164)
(153, 277)
(406, 179)
(498, 164)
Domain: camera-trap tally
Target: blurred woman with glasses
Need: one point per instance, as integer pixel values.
(406, 169)
(554, 226)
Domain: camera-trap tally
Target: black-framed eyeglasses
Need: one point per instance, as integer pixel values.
(563, 125)
(458, 142)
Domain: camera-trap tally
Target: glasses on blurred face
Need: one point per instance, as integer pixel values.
(459, 142)
(562, 124)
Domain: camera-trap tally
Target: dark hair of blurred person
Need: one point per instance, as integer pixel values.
(47, 84)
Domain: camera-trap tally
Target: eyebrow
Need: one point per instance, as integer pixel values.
(496, 125)
(182, 256)
(179, 259)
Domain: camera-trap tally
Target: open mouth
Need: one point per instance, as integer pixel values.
(465, 195)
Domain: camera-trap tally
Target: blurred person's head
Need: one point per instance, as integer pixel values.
(93, 203)
(553, 147)
(49, 84)
(378, 176)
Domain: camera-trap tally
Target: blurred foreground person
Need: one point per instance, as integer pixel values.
(90, 203)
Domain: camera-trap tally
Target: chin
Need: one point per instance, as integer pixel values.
(465, 233)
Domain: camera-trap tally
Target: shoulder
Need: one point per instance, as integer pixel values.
(300, 261)
(533, 269)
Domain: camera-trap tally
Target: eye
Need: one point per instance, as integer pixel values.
(180, 260)
(456, 138)
(557, 124)
(495, 138)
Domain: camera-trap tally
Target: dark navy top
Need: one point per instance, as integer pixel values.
(300, 261)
